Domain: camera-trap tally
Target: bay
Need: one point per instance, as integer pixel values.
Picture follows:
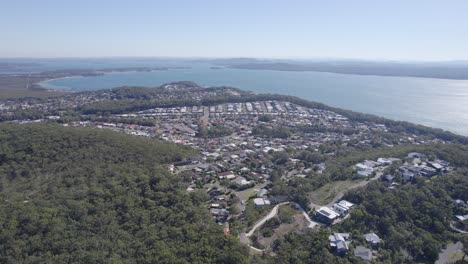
(432, 102)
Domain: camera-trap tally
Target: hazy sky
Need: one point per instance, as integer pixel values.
(396, 29)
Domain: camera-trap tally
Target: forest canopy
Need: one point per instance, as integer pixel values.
(84, 195)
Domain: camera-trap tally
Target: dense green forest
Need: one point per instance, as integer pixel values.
(72, 195)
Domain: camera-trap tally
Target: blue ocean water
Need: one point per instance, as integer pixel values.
(433, 102)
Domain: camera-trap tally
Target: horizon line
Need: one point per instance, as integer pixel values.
(238, 57)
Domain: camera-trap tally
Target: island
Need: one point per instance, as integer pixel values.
(457, 70)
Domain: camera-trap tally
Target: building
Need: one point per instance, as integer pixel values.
(461, 218)
(261, 202)
(343, 207)
(338, 242)
(363, 170)
(326, 215)
(361, 166)
(363, 253)
(459, 203)
(227, 175)
(388, 179)
(407, 175)
(372, 238)
(241, 181)
(364, 173)
(415, 155)
(384, 161)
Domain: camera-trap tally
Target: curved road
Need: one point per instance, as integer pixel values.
(456, 229)
(269, 216)
(244, 237)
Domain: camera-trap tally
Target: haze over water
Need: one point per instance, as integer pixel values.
(433, 102)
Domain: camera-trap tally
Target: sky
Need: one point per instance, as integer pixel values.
(393, 30)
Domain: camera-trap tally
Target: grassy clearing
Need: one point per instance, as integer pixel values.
(17, 86)
(326, 193)
(246, 194)
(456, 256)
(266, 242)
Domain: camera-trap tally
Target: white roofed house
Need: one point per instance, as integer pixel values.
(361, 166)
(363, 170)
(326, 215)
(241, 181)
(364, 173)
(370, 163)
(343, 207)
(227, 175)
(261, 202)
(384, 161)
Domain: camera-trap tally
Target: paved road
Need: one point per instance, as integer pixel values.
(274, 212)
(262, 221)
(244, 237)
(456, 229)
(340, 195)
(205, 117)
(312, 223)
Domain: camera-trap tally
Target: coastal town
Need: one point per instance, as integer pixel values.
(245, 148)
(234, 132)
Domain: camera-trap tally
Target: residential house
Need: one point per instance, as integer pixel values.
(363, 170)
(241, 181)
(227, 175)
(384, 161)
(261, 202)
(459, 203)
(388, 179)
(407, 175)
(363, 253)
(338, 242)
(461, 218)
(416, 155)
(343, 207)
(373, 239)
(326, 215)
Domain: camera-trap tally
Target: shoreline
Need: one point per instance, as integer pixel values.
(44, 84)
(425, 120)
